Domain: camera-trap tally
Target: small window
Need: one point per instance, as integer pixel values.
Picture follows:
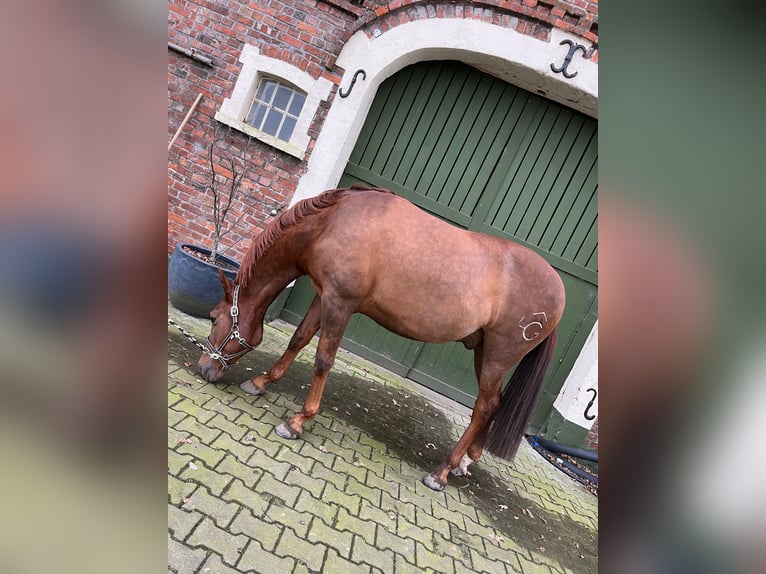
(276, 108)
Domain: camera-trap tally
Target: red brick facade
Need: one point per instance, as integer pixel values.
(309, 34)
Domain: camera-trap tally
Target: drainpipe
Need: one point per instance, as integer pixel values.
(191, 53)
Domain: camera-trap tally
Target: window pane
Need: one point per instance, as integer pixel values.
(297, 104)
(256, 115)
(272, 122)
(287, 129)
(265, 90)
(282, 97)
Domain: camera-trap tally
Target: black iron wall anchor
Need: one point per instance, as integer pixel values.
(346, 94)
(586, 414)
(573, 48)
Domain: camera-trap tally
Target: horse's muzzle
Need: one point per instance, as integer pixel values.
(210, 369)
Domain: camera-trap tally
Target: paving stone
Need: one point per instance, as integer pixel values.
(174, 398)
(385, 518)
(215, 405)
(335, 564)
(265, 462)
(466, 510)
(310, 554)
(316, 507)
(181, 522)
(442, 513)
(405, 509)
(451, 549)
(298, 521)
(353, 470)
(177, 462)
(363, 528)
(426, 520)
(266, 533)
(340, 541)
(389, 487)
(404, 546)
(423, 535)
(363, 552)
(240, 493)
(276, 488)
(312, 452)
(182, 559)
(199, 430)
(297, 477)
(222, 512)
(175, 417)
(210, 456)
(401, 566)
(529, 567)
(482, 564)
(356, 488)
(407, 495)
(233, 429)
(426, 559)
(240, 450)
(253, 426)
(178, 490)
(259, 560)
(214, 481)
(322, 472)
(214, 565)
(189, 407)
(247, 474)
(348, 501)
(218, 540)
(286, 454)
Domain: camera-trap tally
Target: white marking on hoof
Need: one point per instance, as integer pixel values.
(284, 431)
(462, 470)
(433, 483)
(250, 388)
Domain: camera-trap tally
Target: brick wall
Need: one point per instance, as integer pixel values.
(308, 34)
(591, 441)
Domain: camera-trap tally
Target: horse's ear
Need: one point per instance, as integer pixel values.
(227, 286)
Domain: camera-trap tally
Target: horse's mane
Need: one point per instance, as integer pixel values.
(293, 216)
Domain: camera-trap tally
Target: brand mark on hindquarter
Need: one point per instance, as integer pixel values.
(531, 330)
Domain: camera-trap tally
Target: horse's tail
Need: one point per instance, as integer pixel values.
(517, 401)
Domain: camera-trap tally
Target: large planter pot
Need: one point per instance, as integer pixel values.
(193, 284)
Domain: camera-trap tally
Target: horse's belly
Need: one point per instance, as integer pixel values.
(428, 323)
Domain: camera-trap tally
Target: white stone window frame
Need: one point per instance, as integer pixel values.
(255, 67)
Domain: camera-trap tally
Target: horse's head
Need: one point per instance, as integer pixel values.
(232, 334)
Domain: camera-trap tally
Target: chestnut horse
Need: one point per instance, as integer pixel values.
(370, 251)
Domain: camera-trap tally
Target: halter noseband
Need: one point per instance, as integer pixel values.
(217, 352)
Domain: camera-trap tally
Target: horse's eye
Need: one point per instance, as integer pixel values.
(212, 319)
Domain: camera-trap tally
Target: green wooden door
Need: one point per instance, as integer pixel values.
(490, 157)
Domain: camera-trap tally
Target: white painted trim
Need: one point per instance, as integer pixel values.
(254, 66)
(574, 396)
(519, 59)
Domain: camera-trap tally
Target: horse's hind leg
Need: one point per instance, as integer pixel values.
(334, 320)
(490, 376)
(303, 334)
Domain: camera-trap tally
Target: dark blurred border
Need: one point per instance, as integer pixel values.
(682, 287)
(83, 259)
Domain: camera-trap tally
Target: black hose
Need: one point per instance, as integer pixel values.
(537, 440)
(577, 470)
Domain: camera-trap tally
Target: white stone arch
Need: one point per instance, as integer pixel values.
(509, 55)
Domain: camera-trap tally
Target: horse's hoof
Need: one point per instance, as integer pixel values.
(250, 388)
(286, 432)
(433, 483)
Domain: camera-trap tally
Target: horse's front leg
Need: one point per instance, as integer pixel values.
(303, 334)
(334, 319)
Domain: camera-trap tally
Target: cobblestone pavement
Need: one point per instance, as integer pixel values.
(347, 497)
